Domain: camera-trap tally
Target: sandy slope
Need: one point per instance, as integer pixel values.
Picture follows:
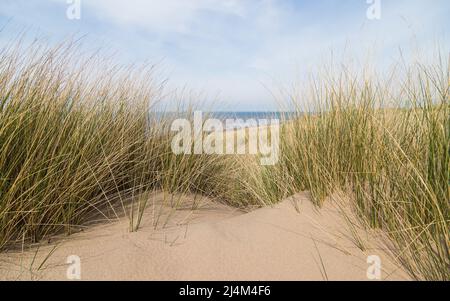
(214, 242)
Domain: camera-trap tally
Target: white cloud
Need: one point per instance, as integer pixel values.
(161, 15)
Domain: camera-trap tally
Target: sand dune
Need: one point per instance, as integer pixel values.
(290, 241)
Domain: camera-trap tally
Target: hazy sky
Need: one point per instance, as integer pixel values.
(234, 48)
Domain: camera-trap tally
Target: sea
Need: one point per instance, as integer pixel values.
(238, 120)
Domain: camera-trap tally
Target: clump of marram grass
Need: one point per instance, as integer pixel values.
(79, 137)
(69, 138)
(385, 142)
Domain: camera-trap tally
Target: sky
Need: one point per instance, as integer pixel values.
(236, 51)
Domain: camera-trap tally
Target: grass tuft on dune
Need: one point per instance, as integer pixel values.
(385, 142)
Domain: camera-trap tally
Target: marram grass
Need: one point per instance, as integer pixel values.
(385, 141)
(76, 142)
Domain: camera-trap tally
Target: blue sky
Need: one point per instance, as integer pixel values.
(236, 51)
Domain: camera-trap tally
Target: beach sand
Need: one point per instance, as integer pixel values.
(292, 240)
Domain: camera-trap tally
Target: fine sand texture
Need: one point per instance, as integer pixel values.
(292, 240)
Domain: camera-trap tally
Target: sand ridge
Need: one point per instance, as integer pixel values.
(292, 240)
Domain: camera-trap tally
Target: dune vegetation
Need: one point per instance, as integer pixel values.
(81, 140)
(385, 142)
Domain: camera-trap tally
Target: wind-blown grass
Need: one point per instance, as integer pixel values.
(78, 136)
(386, 142)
